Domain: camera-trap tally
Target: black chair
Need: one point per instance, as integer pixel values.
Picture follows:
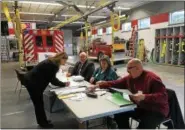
(20, 77)
(167, 120)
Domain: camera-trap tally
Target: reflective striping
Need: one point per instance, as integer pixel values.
(29, 54)
(31, 47)
(61, 36)
(59, 48)
(28, 44)
(26, 36)
(31, 58)
(58, 43)
(26, 41)
(57, 38)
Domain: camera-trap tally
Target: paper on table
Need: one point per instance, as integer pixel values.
(123, 91)
(69, 91)
(78, 97)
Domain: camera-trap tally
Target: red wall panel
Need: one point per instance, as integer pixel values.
(160, 18)
(134, 22)
(104, 30)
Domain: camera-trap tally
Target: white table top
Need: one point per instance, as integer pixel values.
(92, 108)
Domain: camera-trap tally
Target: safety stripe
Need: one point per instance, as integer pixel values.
(57, 43)
(60, 40)
(28, 44)
(26, 41)
(26, 36)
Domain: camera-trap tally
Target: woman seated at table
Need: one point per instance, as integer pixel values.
(104, 72)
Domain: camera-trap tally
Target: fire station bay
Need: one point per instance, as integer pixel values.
(92, 64)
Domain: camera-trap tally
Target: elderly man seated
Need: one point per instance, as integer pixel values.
(83, 67)
(149, 94)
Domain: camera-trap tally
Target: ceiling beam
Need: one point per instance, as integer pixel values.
(70, 20)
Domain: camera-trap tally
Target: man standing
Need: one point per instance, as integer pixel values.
(83, 67)
(149, 94)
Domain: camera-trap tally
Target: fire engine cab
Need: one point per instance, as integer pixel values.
(41, 41)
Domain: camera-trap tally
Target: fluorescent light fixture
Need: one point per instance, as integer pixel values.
(121, 8)
(84, 6)
(88, 16)
(34, 21)
(77, 22)
(35, 2)
(33, 13)
(55, 4)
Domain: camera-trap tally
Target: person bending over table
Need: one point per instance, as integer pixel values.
(104, 72)
(38, 79)
(84, 67)
(149, 93)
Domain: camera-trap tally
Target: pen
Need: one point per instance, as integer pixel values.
(102, 94)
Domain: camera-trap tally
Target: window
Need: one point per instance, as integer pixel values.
(109, 30)
(38, 41)
(49, 40)
(144, 23)
(126, 26)
(177, 17)
(100, 31)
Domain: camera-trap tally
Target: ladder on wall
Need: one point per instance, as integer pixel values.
(133, 42)
(5, 50)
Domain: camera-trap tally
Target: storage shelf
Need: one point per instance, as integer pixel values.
(167, 42)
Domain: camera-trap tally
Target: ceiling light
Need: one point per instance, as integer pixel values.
(88, 16)
(77, 22)
(121, 8)
(34, 21)
(84, 6)
(55, 4)
(32, 13)
(41, 3)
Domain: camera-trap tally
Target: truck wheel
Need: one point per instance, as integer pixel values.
(100, 55)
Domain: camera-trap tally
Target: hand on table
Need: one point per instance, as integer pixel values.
(100, 82)
(138, 97)
(92, 80)
(92, 88)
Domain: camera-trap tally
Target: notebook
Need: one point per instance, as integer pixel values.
(119, 100)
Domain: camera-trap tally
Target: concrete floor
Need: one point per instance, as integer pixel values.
(20, 113)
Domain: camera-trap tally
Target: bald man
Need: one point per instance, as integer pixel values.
(149, 93)
(83, 67)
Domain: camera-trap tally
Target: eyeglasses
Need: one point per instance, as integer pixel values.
(129, 68)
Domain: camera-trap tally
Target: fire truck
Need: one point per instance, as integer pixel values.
(41, 41)
(98, 48)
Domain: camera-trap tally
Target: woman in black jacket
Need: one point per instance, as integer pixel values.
(38, 79)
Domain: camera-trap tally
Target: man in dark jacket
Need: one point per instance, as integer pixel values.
(83, 67)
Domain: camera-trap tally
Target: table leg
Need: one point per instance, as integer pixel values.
(83, 125)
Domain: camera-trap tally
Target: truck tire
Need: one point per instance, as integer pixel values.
(100, 55)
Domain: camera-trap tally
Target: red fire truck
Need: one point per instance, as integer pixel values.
(98, 48)
(38, 41)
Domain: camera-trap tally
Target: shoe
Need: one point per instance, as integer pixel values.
(46, 126)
